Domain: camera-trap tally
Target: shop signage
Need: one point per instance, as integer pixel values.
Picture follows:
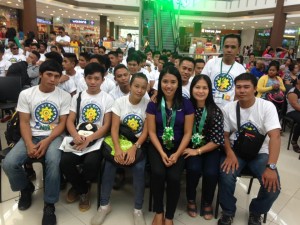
(84, 22)
(43, 21)
(290, 31)
(211, 31)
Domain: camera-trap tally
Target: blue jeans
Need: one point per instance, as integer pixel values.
(138, 174)
(259, 205)
(208, 166)
(15, 159)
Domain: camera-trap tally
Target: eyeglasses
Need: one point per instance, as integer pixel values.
(14, 48)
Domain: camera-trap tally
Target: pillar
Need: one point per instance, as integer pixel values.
(29, 17)
(278, 25)
(103, 26)
(117, 32)
(111, 29)
(197, 29)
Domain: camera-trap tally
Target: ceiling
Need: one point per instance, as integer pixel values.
(49, 8)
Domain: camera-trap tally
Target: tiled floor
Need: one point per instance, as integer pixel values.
(285, 210)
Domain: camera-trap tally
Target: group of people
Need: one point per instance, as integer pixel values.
(182, 114)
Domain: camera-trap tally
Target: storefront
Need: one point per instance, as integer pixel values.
(43, 28)
(9, 17)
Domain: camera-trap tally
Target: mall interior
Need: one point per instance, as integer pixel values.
(188, 27)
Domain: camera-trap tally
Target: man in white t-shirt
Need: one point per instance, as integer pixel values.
(129, 43)
(63, 39)
(4, 64)
(258, 116)
(223, 71)
(43, 112)
(94, 110)
(14, 55)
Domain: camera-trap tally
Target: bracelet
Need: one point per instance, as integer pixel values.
(199, 151)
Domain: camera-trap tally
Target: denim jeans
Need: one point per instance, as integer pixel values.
(259, 205)
(207, 166)
(15, 159)
(138, 174)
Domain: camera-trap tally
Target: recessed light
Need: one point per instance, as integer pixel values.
(62, 14)
(8, 2)
(51, 14)
(252, 26)
(267, 25)
(74, 14)
(17, 4)
(223, 25)
(53, 11)
(233, 24)
(66, 11)
(242, 22)
(270, 21)
(60, 9)
(47, 6)
(255, 22)
(292, 22)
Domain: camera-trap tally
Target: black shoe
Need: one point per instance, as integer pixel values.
(254, 219)
(119, 179)
(225, 220)
(25, 199)
(49, 217)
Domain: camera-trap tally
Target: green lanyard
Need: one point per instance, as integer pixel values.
(201, 124)
(228, 70)
(163, 114)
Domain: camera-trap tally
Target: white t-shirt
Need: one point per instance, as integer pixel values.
(65, 38)
(111, 76)
(44, 108)
(131, 115)
(107, 85)
(222, 83)
(261, 117)
(92, 109)
(154, 75)
(4, 65)
(185, 89)
(69, 85)
(117, 93)
(14, 58)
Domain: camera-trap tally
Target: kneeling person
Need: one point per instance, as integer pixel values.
(43, 111)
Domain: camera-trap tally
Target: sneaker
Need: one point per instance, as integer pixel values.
(84, 202)
(49, 217)
(25, 199)
(99, 218)
(225, 220)
(72, 195)
(254, 219)
(138, 218)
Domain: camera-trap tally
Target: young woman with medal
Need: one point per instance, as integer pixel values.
(203, 155)
(169, 126)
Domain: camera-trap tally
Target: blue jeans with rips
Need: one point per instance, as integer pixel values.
(17, 157)
(264, 200)
(138, 175)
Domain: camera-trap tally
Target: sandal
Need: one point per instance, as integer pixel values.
(191, 208)
(295, 146)
(207, 211)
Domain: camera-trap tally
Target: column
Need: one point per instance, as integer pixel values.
(278, 25)
(29, 17)
(117, 32)
(197, 29)
(103, 26)
(112, 29)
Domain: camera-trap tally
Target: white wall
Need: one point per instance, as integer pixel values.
(247, 37)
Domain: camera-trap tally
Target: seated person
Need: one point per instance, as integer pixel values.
(95, 108)
(260, 116)
(43, 111)
(129, 110)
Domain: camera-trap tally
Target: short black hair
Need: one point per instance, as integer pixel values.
(37, 54)
(134, 57)
(199, 61)
(114, 53)
(238, 37)
(187, 58)
(103, 48)
(92, 68)
(35, 44)
(55, 56)
(43, 43)
(50, 65)
(85, 55)
(138, 75)
(246, 76)
(292, 66)
(72, 57)
(131, 51)
(120, 66)
(251, 54)
(156, 53)
(163, 58)
(2, 49)
(129, 34)
(102, 60)
(61, 28)
(53, 32)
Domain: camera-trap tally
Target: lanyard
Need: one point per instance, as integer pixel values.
(228, 70)
(163, 114)
(201, 124)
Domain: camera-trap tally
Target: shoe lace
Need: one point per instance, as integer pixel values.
(49, 210)
(255, 218)
(227, 219)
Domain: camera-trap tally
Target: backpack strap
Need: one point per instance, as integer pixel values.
(78, 108)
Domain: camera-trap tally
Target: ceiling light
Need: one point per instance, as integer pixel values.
(270, 21)
(292, 22)
(101, 14)
(242, 22)
(252, 26)
(66, 11)
(17, 4)
(60, 9)
(74, 14)
(8, 2)
(255, 22)
(242, 28)
(42, 11)
(233, 24)
(86, 14)
(223, 25)
(47, 6)
(54, 11)
(51, 14)
(267, 25)
(62, 14)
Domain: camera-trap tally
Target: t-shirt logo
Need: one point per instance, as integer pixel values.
(247, 126)
(91, 113)
(13, 60)
(134, 122)
(223, 82)
(45, 114)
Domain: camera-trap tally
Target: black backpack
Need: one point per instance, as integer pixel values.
(12, 133)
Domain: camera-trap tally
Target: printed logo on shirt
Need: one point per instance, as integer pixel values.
(14, 60)
(91, 113)
(134, 122)
(223, 82)
(247, 126)
(45, 114)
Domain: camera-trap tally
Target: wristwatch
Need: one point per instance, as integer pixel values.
(137, 145)
(272, 166)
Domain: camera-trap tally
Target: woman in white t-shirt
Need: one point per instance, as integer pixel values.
(128, 110)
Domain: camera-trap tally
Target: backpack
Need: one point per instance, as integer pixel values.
(12, 133)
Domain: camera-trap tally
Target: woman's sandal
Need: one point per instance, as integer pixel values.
(207, 211)
(191, 208)
(295, 146)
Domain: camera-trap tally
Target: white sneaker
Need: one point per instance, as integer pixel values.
(99, 218)
(138, 218)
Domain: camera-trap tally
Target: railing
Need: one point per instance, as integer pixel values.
(158, 31)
